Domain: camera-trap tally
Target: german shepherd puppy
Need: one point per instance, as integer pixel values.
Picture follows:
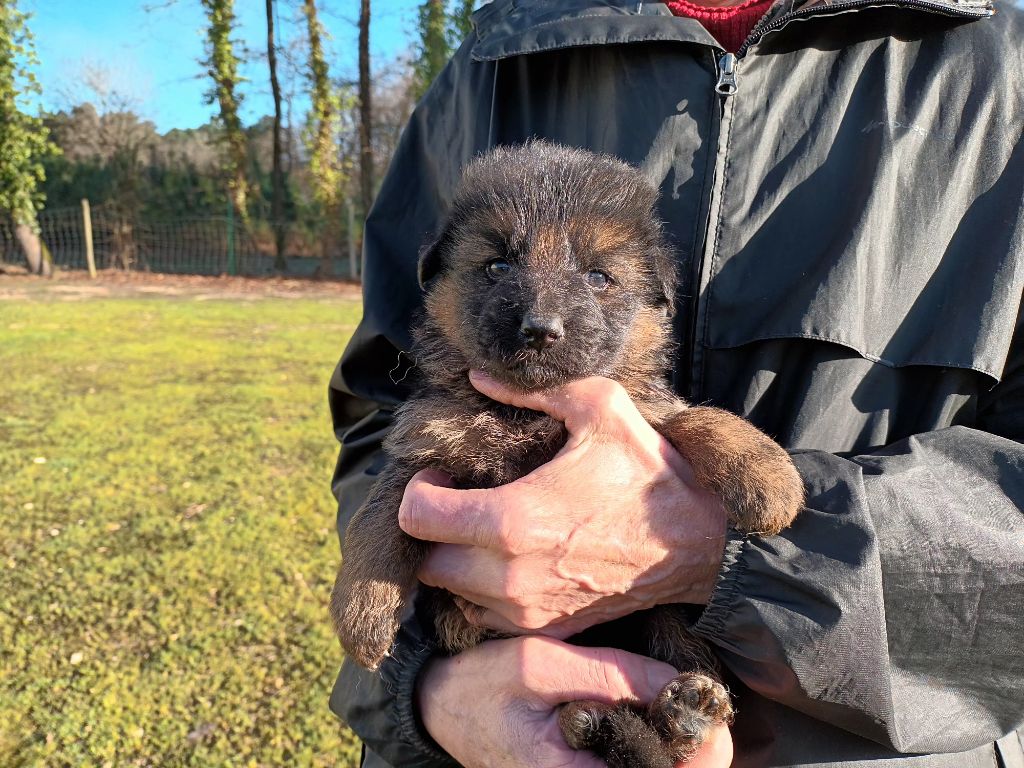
(551, 267)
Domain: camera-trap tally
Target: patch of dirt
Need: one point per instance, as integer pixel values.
(77, 286)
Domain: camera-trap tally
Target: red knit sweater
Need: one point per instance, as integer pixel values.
(729, 26)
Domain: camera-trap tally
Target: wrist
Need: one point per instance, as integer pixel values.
(409, 683)
(728, 587)
(699, 547)
(424, 695)
(431, 700)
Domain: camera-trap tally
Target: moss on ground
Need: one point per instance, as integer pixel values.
(168, 542)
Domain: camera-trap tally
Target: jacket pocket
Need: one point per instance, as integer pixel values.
(892, 307)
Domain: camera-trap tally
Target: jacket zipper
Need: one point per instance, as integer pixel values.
(726, 86)
(727, 83)
(974, 9)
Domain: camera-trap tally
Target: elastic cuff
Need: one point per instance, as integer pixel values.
(409, 668)
(711, 623)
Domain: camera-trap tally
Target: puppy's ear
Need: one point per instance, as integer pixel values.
(665, 274)
(432, 260)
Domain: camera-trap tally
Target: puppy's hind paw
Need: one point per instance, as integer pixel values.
(686, 711)
(580, 722)
(617, 733)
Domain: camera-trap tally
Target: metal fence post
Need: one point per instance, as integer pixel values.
(90, 255)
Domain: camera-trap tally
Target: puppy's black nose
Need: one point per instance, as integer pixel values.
(541, 331)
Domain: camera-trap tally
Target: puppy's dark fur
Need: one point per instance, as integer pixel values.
(552, 267)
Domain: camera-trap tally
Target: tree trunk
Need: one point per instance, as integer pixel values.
(35, 257)
(366, 180)
(223, 68)
(277, 177)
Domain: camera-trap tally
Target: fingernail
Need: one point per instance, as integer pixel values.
(437, 477)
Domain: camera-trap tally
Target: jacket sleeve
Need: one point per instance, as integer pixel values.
(893, 606)
(444, 132)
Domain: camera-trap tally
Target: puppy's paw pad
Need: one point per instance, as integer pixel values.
(687, 709)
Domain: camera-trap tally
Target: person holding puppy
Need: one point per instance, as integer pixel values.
(844, 195)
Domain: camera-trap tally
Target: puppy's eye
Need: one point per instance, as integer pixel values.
(498, 268)
(598, 280)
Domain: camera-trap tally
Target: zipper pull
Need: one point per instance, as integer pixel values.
(727, 75)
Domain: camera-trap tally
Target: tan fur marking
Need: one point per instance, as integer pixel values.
(610, 236)
(549, 246)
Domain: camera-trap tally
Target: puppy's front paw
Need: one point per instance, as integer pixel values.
(365, 617)
(686, 711)
(752, 474)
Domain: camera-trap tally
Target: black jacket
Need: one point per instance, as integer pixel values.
(849, 227)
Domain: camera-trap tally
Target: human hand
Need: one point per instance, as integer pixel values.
(497, 704)
(613, 524)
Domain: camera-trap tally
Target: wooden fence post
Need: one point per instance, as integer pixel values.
(90, 256)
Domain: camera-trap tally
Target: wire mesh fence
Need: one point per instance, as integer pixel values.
(202, 246)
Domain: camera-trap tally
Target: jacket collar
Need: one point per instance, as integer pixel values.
(507, 28)
(512, 27)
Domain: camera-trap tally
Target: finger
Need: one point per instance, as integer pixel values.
(468, 571)
(435, 511)
(716, 752)
(584, 760)
(563, 756)
(586, 406)
(482, 577)
(578, 404)
(436, 477)
(479, 616)
(558, 673)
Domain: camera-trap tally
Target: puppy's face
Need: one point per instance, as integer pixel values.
(550, 268)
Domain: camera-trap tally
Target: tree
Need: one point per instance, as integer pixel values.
(222, 66)
(24, 140)
(460, 24)
(441, 32)
(433, 49)
(277, 176)
(125, 143)
(322, 128)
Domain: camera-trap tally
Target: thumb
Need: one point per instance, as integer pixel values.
(558, 673)
(579, 404)
(716, 752)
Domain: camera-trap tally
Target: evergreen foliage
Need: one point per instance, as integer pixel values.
(441, 30)
(460, 24)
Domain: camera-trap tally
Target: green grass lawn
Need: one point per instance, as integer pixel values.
(168, 538)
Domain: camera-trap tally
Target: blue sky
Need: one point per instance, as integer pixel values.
(150, 50)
